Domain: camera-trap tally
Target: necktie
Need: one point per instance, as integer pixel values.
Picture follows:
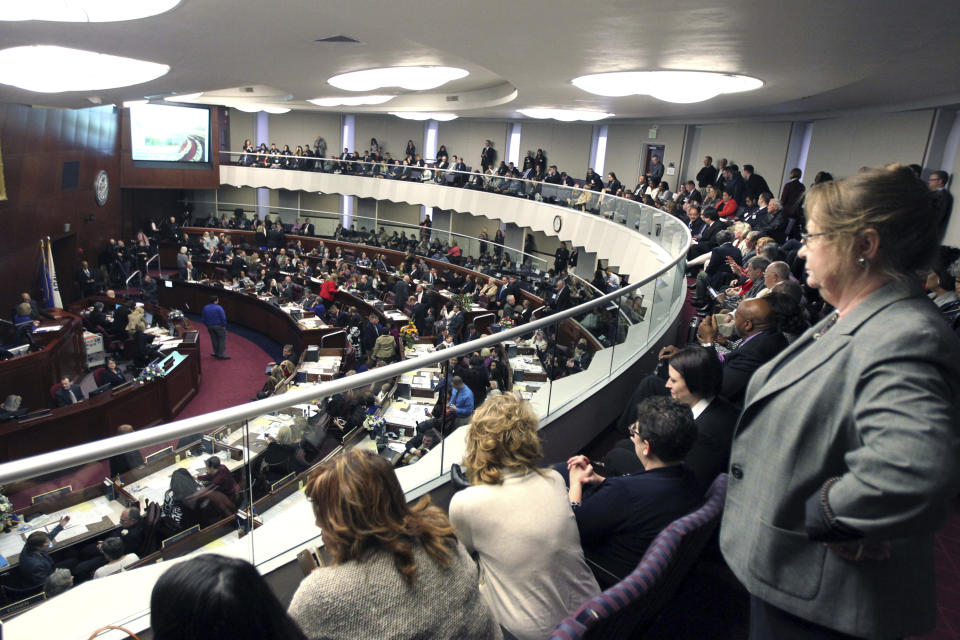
(73, 398)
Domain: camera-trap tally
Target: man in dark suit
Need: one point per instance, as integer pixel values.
(690, 194)
(776, 223)
(487, 155)
(401, 291)
(560, 258)
(734, 183)
(35, 311)
(755, 184)
(708, 235)
(419, 316)
(695, 223)
(559, 299)
(717, 273)
(656, 170)
(275, 239)
(758, 219)
(68, 393)
(512, 287)
(760, 342)
(97, 317)
(943, 199)
(720, 183)
(308, 229)
(369, 333)
(86, 279)
(456, 322)
(792, 193)
(707, 174)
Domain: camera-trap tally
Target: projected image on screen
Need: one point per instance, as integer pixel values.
(163, 133)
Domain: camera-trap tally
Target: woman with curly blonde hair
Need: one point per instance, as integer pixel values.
(387, 556)
(517, 521)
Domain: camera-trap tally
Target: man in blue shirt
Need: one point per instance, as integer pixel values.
(216, 321)
(461, 401)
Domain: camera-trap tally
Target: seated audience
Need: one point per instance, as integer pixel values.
(619, 517)
(532, 569)
(111, 374)
(695, 378)
(178, 510)
(117, 561)
(211, 597)
(396, 570)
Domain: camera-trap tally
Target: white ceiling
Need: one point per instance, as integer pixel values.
(815, 57)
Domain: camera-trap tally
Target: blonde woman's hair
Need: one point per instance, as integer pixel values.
(891, 200)
(502, 436)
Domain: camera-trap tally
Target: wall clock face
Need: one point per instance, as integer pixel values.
(101, 188)
(557, 223)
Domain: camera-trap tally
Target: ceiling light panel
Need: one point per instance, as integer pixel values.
(424, 115)
(51, 69)
(350, 101)
(565, 115)
(410, 78)
(669, 86)
(83, 10)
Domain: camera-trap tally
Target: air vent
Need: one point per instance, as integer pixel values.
(246, 89)
(453, 98)
(341, 39)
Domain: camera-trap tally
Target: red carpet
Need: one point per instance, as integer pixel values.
(224, 383)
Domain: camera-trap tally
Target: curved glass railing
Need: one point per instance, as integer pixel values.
(383, 409)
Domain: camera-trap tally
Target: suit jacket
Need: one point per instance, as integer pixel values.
(710, 455)
(696, 227)
(706, 176)
(401, 291)
(756, 219)
(756, 185)
(871, 403)
(707, 239)
(560, 300)
(742, 362)
(63, 396)
(718, 271)
(790, 197)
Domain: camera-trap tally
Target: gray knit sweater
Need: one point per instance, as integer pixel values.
(369, 601)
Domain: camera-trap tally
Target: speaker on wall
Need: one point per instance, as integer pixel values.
(71, 175)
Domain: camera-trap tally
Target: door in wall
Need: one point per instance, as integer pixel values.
(646, 159)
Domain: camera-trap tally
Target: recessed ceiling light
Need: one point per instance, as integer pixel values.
(669, 86)
(410, 78)
(424, 115)
(276, 110)
(83, 10)
(565, 115)
(51, 69)
(350, 101)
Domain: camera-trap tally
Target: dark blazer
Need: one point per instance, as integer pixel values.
(710, 454)
(368, 336)
(706, 176)
(63, 397)
(560, 300)
(707, 239)
(756, 219)
(742, 362)
(718, 271)
(790, 197)
(454, 325)
(696, 227)
(756, 185)
(36, 566)
(401, 291)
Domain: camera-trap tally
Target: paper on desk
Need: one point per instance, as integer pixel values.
(396, 446)
(72, 532)
(11, 544)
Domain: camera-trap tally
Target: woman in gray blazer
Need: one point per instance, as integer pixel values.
(846, 451)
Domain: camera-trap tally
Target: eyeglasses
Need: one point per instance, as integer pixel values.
(806, 237)
(634, 429)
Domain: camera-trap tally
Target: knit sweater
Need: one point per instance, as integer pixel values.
(369, 600)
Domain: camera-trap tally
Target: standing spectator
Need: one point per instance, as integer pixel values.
(792, 193)
(215, 319)
(943, 203)
(707, 174)
(755, 183)
(539, 574)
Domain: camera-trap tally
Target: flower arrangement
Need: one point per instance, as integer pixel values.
(150, 372)
(506, 323)
(464, 300)
(409, 333)
(8, 519)
(375, 425)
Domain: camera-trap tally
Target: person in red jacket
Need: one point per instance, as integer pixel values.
(327, 289)
(727, 209)
(219, 477)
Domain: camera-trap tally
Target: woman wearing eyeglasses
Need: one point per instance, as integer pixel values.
(847, 448)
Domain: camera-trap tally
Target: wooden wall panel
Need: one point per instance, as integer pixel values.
(35, 143)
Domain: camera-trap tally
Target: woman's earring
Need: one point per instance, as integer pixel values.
(863, 262)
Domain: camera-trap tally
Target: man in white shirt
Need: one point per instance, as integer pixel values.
(112, 550)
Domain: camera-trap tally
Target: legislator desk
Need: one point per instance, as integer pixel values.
(31, 375)
(141, 405)
(249, 311)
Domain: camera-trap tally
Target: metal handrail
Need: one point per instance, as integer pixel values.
(126, 283)
(146, 265)
(102, 449)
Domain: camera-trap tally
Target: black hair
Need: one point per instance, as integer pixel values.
(37, 540)
(785, 312)
(748, 167)
(213, 596)
(700, 369)
(112, 548)
(668, 427)
(213, 299)
(709, 212)
(213, 462)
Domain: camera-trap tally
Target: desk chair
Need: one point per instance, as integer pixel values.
(98, 375)
(629, 608)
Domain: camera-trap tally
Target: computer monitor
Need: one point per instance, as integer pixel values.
(101, 389)
(148, 318)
